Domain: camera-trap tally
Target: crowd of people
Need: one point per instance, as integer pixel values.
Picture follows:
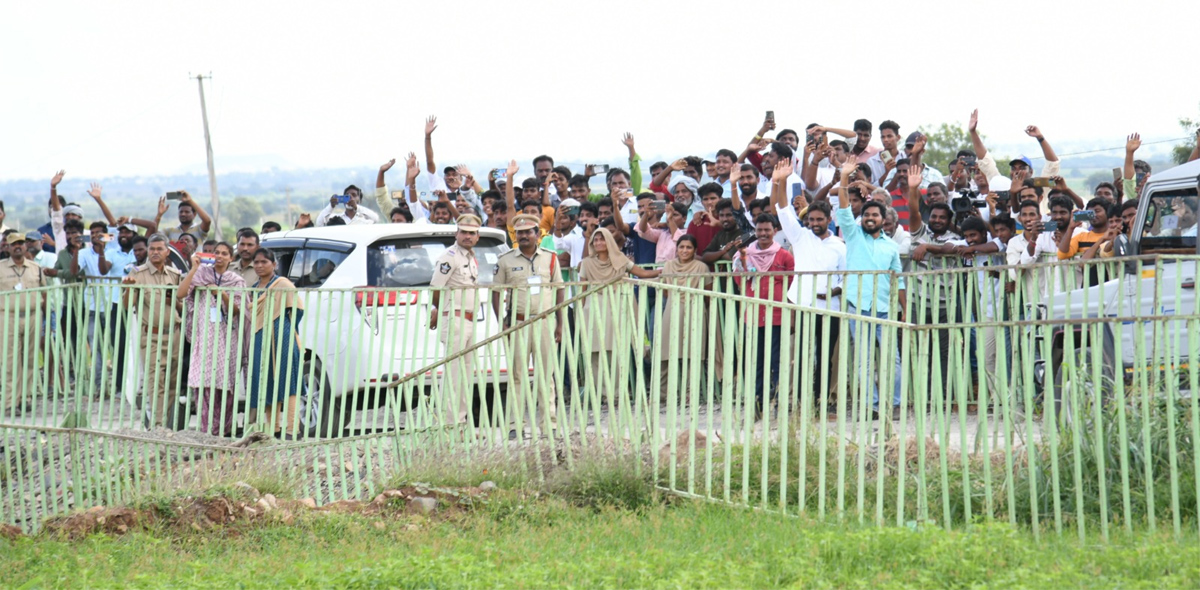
(823, 200)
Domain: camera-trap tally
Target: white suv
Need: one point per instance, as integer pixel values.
(355, 339)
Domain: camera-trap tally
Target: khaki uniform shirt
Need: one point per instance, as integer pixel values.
(536, 273)
(156, 307)
(247, 273)
(14, 279)
(457, 267)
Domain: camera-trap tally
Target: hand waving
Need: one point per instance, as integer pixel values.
(849, 166)
(57, 178)
(783, 169)
(430, 125)
(1133, 142)
(163, 206)
(512, 170)
(628, 140)
(679, 165)
(915, 175)
(387, 165)
(411, 169)
(95, 191)
(974, 122)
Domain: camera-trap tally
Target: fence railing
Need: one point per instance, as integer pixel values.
(1058, 396)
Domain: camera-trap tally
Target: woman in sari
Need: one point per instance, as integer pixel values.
(275, 358)
(218, 337)
(605, 262)
(682, 270)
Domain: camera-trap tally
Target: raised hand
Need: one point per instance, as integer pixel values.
(679, 165)
(849, 166)
(512, 170)
(756, 145)
(1059, 182)
(387, 165)
(430, 125)
(122, 220)
(915, 175)
(463, 171)
(95, 191)
(1034, 132)
(57, 178)
(919, 144)
(628, 140)
(782, 171)
(441, 195)
(974, 121)
(163, 207)
(1132, 143)
(411, 169)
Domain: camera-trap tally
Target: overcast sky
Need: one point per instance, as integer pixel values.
(101, 88)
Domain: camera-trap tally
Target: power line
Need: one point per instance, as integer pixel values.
(1061, 156)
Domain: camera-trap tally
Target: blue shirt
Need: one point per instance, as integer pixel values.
(866, 253)
(89, 266)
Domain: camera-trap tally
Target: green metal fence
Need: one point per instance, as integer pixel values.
(1055, 396)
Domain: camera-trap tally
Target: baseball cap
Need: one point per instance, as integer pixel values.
(14, 238)
(1023, 160)
(568, 203)
(33, 236)
(912, 138)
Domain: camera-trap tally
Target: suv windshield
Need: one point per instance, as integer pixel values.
(409, 262)
(1170, 220)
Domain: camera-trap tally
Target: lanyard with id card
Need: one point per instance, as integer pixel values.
(535, 284)
(215, 315)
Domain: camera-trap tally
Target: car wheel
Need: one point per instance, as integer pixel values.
(322, 410)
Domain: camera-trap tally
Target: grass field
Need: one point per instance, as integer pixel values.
(517, 540)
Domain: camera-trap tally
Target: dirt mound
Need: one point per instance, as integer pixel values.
(201, 514)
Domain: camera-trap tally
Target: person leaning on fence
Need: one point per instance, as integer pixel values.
(20, 313)
(158, 312)
(867, 249)
(275, 379)
(218, 336)
(536, 286)
(764, 255)
(452, 314)
(604, 263)
(684, 270)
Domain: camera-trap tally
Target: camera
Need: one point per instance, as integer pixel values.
(966, 201)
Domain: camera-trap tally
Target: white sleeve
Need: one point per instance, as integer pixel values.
(56, 227)
(323, 216)
(369, 215)
(799, 236)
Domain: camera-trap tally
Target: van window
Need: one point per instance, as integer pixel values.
(312, 266)
(409, 262)
(1171, 220)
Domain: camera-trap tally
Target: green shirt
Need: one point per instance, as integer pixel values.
(63, 268)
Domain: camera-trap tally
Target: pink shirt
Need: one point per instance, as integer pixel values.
(664, 248)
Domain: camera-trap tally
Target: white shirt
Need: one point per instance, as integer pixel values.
(903, 240)
(813, 254)
(362, 216)
(572, 243)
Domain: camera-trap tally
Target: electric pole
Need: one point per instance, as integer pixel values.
(287, 216)
(212, 175)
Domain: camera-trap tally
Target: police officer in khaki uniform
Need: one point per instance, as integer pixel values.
(159, 315)
(454, 314)
(534, 279)
(19, 325)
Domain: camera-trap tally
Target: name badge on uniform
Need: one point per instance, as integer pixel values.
(214, 315)
(535, 283)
